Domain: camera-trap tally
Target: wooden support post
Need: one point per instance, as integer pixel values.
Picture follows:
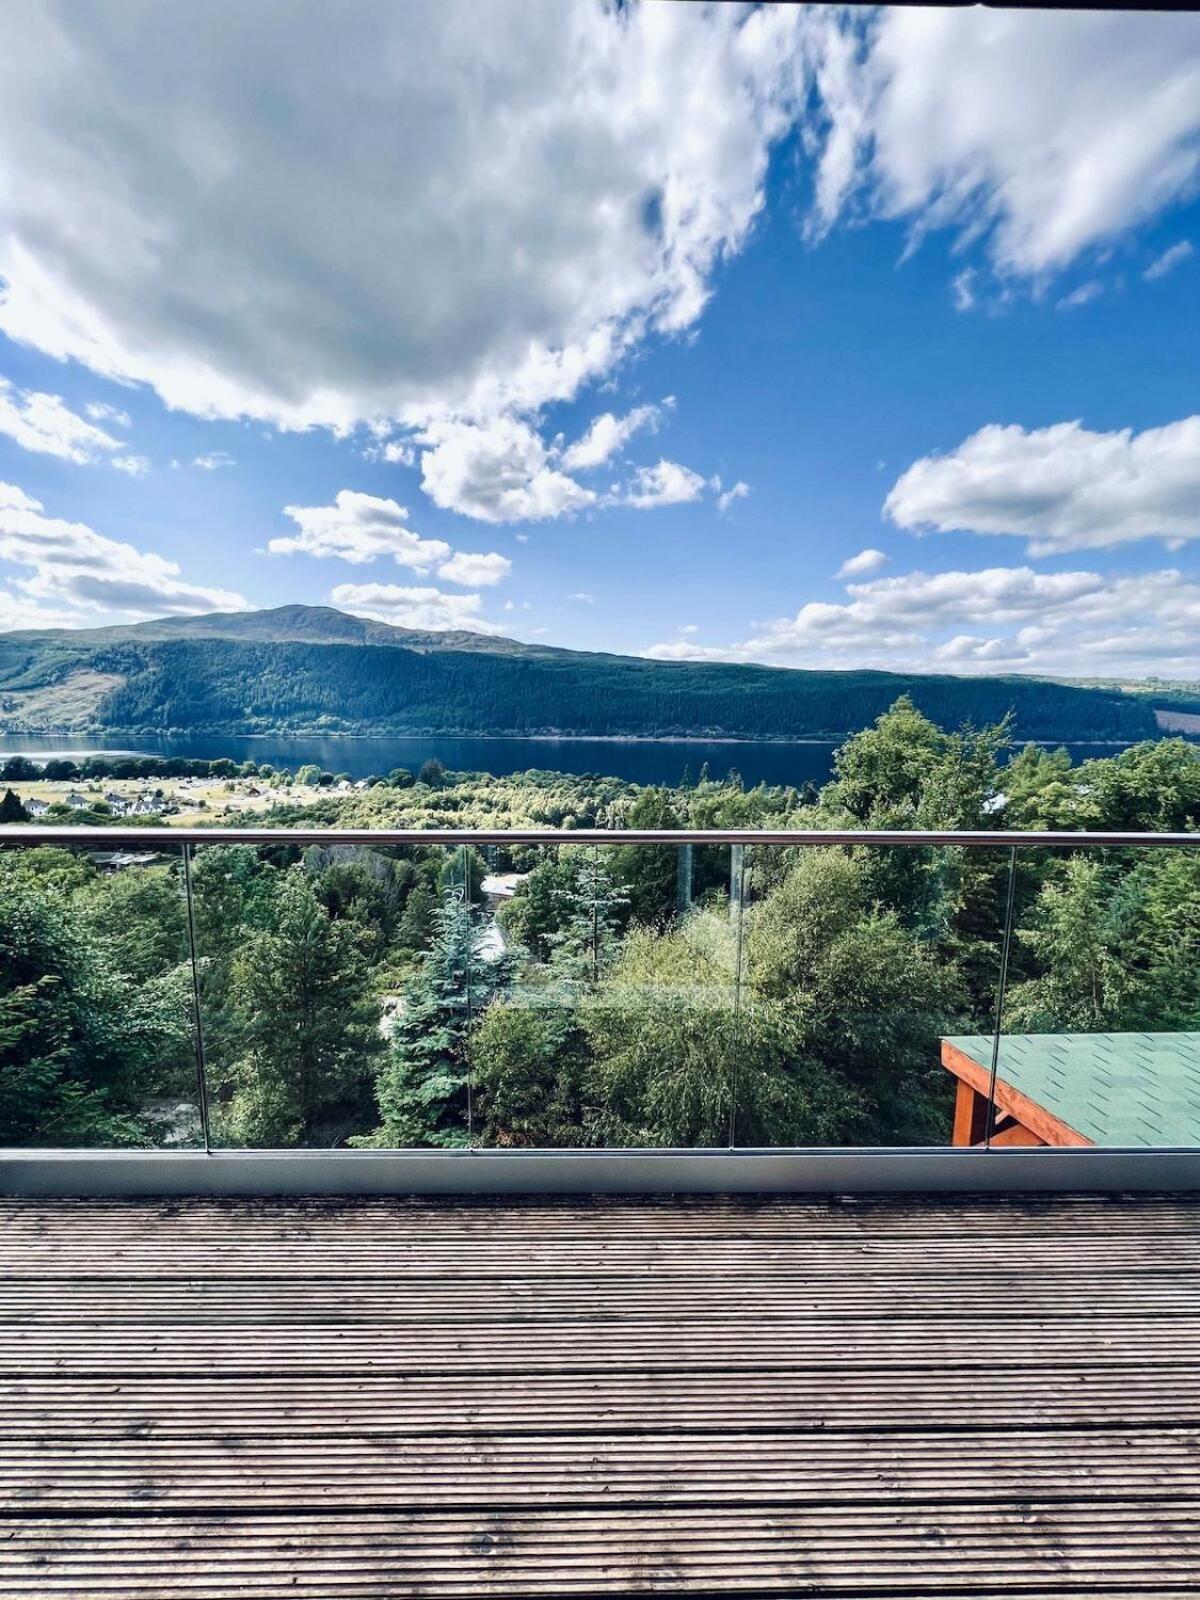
(970, 1116)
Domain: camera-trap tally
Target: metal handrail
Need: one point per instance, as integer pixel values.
(970, 839)
(561, 1171)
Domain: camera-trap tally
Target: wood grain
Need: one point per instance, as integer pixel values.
(898, 1397)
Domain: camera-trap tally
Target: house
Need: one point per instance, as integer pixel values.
(501, 886)
(146, 805)
(77, 801)
(36, 808)
(116, 803)
(1117, 1089)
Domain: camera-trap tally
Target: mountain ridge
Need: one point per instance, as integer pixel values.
(315, 669)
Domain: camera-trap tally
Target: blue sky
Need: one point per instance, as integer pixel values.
(618, 329)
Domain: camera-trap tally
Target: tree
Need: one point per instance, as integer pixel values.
(11, 809)
(533, 916)
(1078, 938)
(432, 774)
(308, 1028)
(422, 1087)
(137, 918)
(417, 924)
(309, 775)
(870, 997)
(676, 1049)
(463, 869)
(589, 914)
(530, 1059)
(1152, 787)
(650, 872)
(80, 1048)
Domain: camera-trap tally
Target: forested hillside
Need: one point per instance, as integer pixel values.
(460, 684)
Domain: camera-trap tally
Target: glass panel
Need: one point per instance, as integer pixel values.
(610, 1024)
(1101, 1027)
(306, 958)
(868, 972)
(97, 1040)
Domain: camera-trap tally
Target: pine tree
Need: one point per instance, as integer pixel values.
(590, 913)
(422, 1090)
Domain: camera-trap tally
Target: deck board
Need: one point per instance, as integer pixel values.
(898, 1397)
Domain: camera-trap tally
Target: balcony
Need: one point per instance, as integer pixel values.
(740, 1367)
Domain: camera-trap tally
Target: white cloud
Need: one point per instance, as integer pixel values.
(962, 288)
(446, 208)
(42, 423)
(214, 461)
(398, 453)
(359, 528)
(72, 566)
(1082, 296)
(1048, 133)
(607, 435)
(726, 497)
(497, 472)
(482, 570)
(100, 412)
(412, 608)
(864, 561)
(1174, 257)
(1062, 487)
(132, 466)
(1000, 619)
(583, 597)
(666, 484)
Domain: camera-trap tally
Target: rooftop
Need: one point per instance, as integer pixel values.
(867, 1397)
(1134, 1090)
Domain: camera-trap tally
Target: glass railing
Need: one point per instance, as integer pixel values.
(332, 989)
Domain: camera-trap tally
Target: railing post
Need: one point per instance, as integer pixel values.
(197, 1013)
(737, 911)
(683, 878)
(1001, 982)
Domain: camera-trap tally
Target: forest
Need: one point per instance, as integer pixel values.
(598, 995)
(315, 670)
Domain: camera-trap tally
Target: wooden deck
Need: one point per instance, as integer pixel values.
(356, 1400)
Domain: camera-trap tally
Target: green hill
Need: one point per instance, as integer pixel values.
(310, 668)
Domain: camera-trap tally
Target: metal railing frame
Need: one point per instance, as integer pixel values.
(488, 1171)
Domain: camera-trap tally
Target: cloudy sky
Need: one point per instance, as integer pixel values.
(774, 334)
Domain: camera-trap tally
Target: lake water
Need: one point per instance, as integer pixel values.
(648, 761)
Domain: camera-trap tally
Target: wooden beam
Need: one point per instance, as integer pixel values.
(1050, 1129)
(1015, 1133)
(970, 1116)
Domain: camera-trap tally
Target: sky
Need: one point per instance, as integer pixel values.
(796, 335)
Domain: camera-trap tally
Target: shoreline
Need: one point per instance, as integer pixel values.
(522, 738)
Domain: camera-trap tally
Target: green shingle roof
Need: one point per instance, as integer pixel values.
(1120, 1089)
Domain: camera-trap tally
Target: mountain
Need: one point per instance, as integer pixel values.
(314, 669)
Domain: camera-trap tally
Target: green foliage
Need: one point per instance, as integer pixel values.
(530, 1057)
(422, 1087)
(79, 1047)
(649, 872)
(11, 809)
(871, 998)
(618, 1016)
(282, 677)
(307, 1032)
